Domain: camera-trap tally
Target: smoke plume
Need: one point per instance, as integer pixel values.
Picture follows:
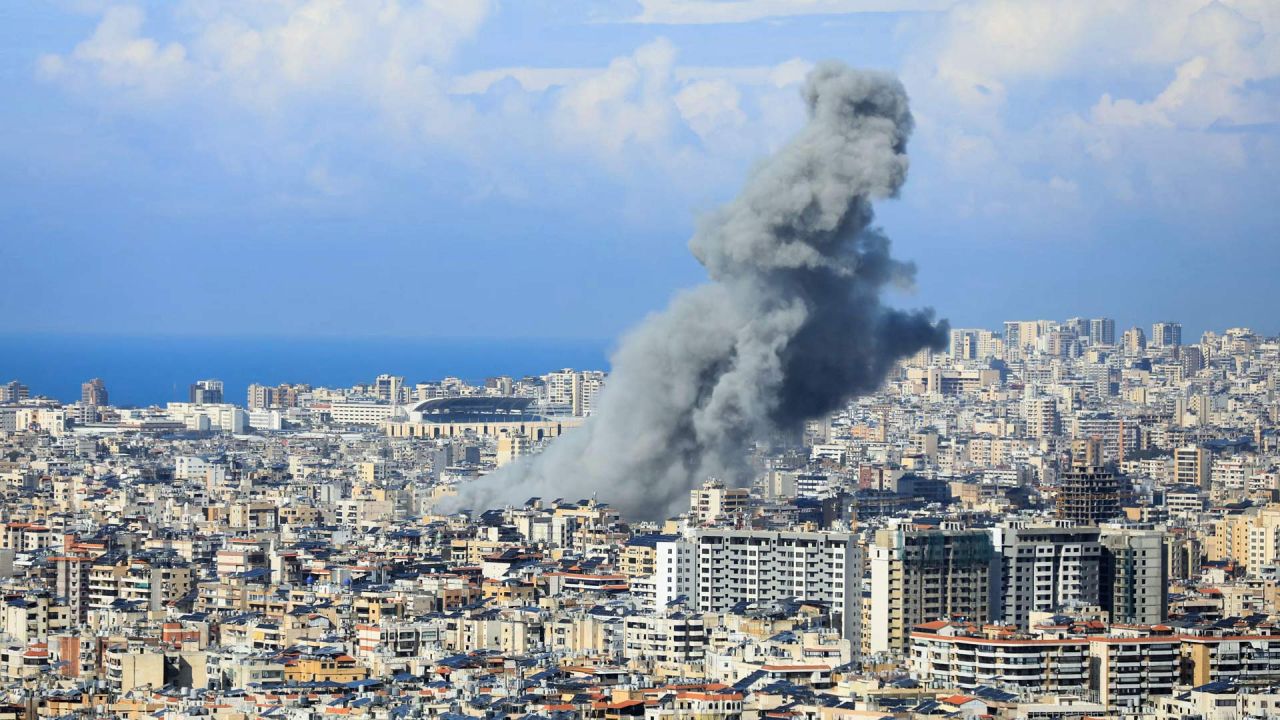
(789, 328)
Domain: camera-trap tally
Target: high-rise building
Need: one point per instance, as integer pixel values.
(261, 397)
(964, 344)
(974, 344)
(990, 345)
(501, 385)
(287, 396)
(1011, 334)
(673, 575)
(713, 502)
(668, 636)
(1044, 568)
(1192, 360)
(1076, 327)
(14, 391)
(205, 392)
(1022, 337)
(564, 390)
(1118, 435)
(93, 393)
(1041, 417)
(919, 575)
(1166, 334)
(1135, 576)
(1102, 331)
(762, 567)
(1134, 340)
(511, 447)
(1088, 493)
(573, 392)
(388, 387)
(1062, 343)
(1192, 466)
(592, 384)
(72, 583)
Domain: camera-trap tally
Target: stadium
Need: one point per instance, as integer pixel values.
(478, 415)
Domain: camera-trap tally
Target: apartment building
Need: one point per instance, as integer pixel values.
(1044, 568)
(921, 574)
(761, 567)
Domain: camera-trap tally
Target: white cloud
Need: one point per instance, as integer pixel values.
(696, 125)
(985, 47)
(709, 106)
(1018, 102)
(532, 79)
(705, 12)
(286, 86)
(271, 55)
(785, 74)
(322, 179)
(629, 102)
(119, 57)
(1002, 94)
(540, 79)
(1131, 113)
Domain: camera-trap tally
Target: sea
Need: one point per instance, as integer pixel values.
(145, 371)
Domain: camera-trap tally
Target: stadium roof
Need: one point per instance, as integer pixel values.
(478, 409)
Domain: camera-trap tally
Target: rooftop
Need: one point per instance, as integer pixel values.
(477, 409)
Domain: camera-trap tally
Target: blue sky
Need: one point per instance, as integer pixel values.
(533, 168)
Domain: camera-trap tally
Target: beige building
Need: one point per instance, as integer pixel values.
(714, 502)
(33, 618)
(511, 447)
(1192, 466)
(924, 574)
(1250, 539)
(128, 668)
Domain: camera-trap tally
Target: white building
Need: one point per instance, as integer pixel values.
(592, 384)
(1043, 568)
(1041, 416)
(669, 637)
(954, 655)
(1186, 501)
(207, 417)
(673, 577)
(358, 413)
(266, 419)
(190, 467)
(759, 566)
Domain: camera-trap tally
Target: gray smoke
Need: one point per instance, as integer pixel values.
(789, 328)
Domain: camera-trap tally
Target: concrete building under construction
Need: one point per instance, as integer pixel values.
(1090, 492)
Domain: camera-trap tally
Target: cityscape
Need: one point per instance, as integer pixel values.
(640, 360)
(1050, 519)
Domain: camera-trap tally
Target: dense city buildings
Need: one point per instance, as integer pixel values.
(1044, 521)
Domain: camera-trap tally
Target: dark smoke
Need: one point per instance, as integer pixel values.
(789, 328)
